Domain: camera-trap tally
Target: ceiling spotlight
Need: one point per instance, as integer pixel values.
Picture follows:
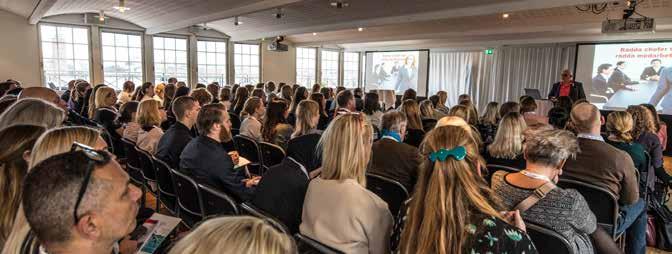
(101, 16)
(505, 15)
(122, 6)
(314, 34)
(339, 4)
(236, 22)
(360, 29)
(278, 14)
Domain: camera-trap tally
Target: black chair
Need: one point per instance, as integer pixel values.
(494, 168)
(250, 209)
(248, 148)
(547, 240)
(164, 183)
(132, 161)
(235, 121)
(216, 202)
(148, 173)
(601, 201)
(391, 191)
(190, 208)
(414, 137)
(235, 132)
(307, 245)
(271, 155)
(428, 124)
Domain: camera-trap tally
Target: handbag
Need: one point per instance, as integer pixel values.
(663, 219)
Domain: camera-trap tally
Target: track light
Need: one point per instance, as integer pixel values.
(237, 22)
(278, 14)
(101, 16)
(122, 6)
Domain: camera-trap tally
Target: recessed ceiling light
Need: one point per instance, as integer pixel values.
(101, 15)
(360, 29)
(314, 34)
(505, 15)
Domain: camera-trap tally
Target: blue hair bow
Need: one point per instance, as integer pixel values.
(459, 152)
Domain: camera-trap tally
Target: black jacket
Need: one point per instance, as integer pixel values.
(172, 143)
(650, 71)
(281, 191)
(303, 150)
(575, 92)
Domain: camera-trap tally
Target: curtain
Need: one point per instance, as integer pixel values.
(500, 77)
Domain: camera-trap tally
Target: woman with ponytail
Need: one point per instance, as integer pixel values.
(619, 127)
(452, 209)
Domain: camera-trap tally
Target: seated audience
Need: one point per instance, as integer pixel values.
(168, 95)
(427, 110)
(17, 141)
(149, 118)
(269, 88)
(159, 94)
(300, 94)
(259, 93)
(6, 101)
(286, 93)
(89, 98)
(50, 193)
(450, 180)
(473, 113)
(239, 102)
(126, 93)
(558, 117)
(327, 93)
(507, 147)
(129, 120)
(345, 103)
(487, 125)
(144, 92)
(32, 112)
(603, 165)
(66, 94)
(206, 159)
(564, 211)
(462, 98)
(359, 100)
(372, 109)
(71, 118)
(171, 144)
(225, 98)
(253, 112)
(324, 117)
(213, 88)
(275, 128)
(415, 133)
(660, 125)
(202, 95)
(76, 101)
(392, 158)
(508, 107)
(105, 114)
(307, 117)
(644, 133)
(619, 128)
(463, 112)
(233, 235)
(528, 108)
(441, 107)
(409, 94)
(340, 192)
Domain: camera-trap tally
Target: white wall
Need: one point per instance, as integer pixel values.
(19, 52)
(278, 66)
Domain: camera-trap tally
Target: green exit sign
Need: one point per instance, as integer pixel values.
(489, 51)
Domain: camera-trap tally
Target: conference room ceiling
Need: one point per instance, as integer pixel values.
(386, 23)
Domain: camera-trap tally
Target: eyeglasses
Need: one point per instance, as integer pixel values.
(94, 156)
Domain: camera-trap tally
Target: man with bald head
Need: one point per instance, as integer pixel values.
(603, 165)
(51, 96)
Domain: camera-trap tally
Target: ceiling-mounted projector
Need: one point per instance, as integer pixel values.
(275, 45)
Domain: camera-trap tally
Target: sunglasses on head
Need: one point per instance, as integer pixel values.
(94, 156)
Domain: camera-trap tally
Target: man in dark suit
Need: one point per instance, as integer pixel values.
(567, 87)
(652, 72)
(619, 80)
(600, 81)
(171, 144)
(392, 158)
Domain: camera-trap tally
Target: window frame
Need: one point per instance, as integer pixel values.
(143, 48)
(358, 72)
(43, 76)
(315, 67)
(235, 75)
(227, 58)
(188, 51)
(338, 67)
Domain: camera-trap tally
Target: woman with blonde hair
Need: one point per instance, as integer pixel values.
(252, 114)
(33, 112)
(507, 147)
(307, 117)
(413, 124)
(487, 125)
(52, 142)
(464, 216)
(159, 92)
(150, 117)
(427, 110)
(441, 105)
(644, 133)
(619, 127)
(340, 191)
(234, 234)
(17, 141)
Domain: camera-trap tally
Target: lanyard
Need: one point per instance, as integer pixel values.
(535, 176)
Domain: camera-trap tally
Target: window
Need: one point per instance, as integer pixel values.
(306, 59)
(65, 54)
(246, 60)
(330, 68)
(170, 59)
(122, 59)
(351, 69)
(211, 62)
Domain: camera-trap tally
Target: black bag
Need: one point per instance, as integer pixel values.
(663, 226)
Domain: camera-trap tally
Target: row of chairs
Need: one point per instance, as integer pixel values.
(262, 155)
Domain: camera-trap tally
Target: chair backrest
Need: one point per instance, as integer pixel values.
(188, 194)
(414, 137)
(601, 201)
(247, 147)
(547, 240)
(132, 159)
(249, 209)
(391, 191)
(164, 182)
(271, 154)
(307, 245)
(146, 164)
(216, 202)
(235, 121)
(428, 124)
